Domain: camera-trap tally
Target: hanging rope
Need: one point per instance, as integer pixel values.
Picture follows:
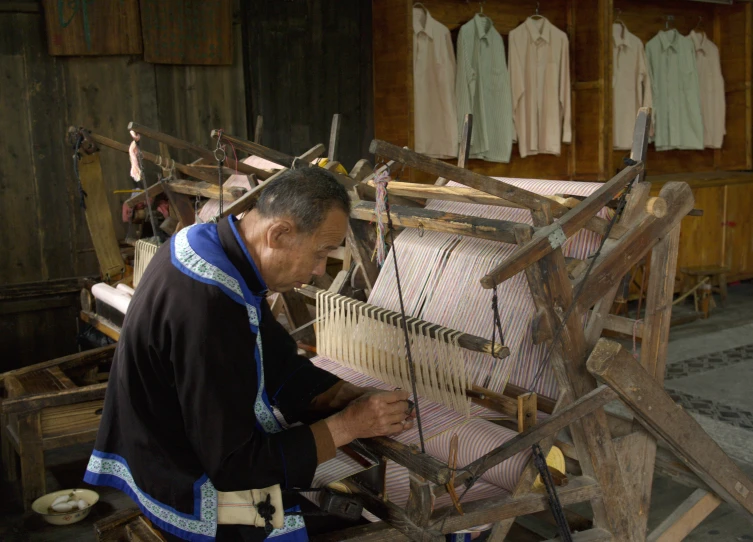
(554, 503)
(380, 180)
(383, 180)
(82, 195)
(496, 328)
(219, 155)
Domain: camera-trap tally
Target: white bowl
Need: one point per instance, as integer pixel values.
(42, 504)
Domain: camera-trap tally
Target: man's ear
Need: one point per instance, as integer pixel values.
(281, 234)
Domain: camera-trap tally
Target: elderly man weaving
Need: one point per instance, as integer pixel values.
(188, 429)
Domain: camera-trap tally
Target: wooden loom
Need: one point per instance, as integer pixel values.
(617, 457)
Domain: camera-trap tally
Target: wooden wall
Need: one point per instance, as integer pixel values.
(588, 25)
(729, 27)
(44, 234)
(305, 62)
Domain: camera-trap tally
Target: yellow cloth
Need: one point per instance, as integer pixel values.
(556, 460)
(321, 162)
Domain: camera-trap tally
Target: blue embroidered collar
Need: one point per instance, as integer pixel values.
(238, 254)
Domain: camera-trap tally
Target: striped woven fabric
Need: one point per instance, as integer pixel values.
(440, 280)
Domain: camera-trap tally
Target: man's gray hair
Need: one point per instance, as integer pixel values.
(305, 195)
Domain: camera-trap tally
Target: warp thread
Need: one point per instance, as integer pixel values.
(134, 153)
(381, 179)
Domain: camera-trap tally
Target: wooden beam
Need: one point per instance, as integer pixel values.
(272, 155)
(641, 452)
(205, 190)
(99, 217)
(611, 266)
(549, 426)
(464, 147)
(181, 204)
(686, 517)
(471, 226)
(658, 413)
(200, 151)
(10, 292)
(549, 238)
(334, 137)
(476, 513)
(101, 324)
(57, 398)
(436, 167)
(79, 359)
(553, 294)
(258, 129)
(461, 194)
(520, 196)
(198, 173)
(360, 239)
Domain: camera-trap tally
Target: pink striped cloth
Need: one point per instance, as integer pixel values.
(440, 276)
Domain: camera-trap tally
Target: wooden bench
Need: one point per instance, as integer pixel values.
(50, 405)
(696, 280)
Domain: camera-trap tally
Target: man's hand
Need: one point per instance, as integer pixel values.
(371, 415)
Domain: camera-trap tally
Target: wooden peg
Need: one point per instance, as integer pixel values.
(657, 207)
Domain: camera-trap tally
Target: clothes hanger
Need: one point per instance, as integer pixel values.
(669, 18)
(536, 15)
(620, 22)
(699, 26)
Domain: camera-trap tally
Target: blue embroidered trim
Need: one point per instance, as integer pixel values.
(187, 245)
(232, 220)
(292, 523)
(201, 526)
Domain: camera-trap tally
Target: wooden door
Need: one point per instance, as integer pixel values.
(738, 231)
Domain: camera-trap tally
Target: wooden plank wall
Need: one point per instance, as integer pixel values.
(305, 62)
(44, 234)
(729, 28)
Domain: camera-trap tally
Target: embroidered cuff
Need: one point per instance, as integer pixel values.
(325, 445)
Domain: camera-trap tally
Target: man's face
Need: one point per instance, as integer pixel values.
(294, 256)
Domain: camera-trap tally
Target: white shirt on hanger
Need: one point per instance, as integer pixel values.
(630, 83)
(435, 110)
(711, 86)
(540, 80)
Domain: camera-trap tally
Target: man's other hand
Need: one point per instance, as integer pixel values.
(374, 414)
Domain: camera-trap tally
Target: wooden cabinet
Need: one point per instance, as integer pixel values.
(724, 234)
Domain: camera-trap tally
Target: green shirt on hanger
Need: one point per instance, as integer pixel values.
(674, 83)
(483, 88)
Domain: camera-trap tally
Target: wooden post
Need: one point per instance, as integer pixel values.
(258, 129)
(32, 457)
(334, 137)
(419, 505)
(658, 413)
(552, 292)
(686, 517)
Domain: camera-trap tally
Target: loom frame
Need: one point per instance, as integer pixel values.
(617, 456)
(622, 469)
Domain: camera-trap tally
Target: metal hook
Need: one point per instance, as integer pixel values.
(537, 8)
(668, 18)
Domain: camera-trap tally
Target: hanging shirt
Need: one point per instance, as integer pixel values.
(674, 85)
(436, 131)
(540, 80)
(713, 105)
(483, 89)
(188, 410)
(630, 83)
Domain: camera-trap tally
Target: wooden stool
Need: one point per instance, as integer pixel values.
(715, 276)
(50, 405)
